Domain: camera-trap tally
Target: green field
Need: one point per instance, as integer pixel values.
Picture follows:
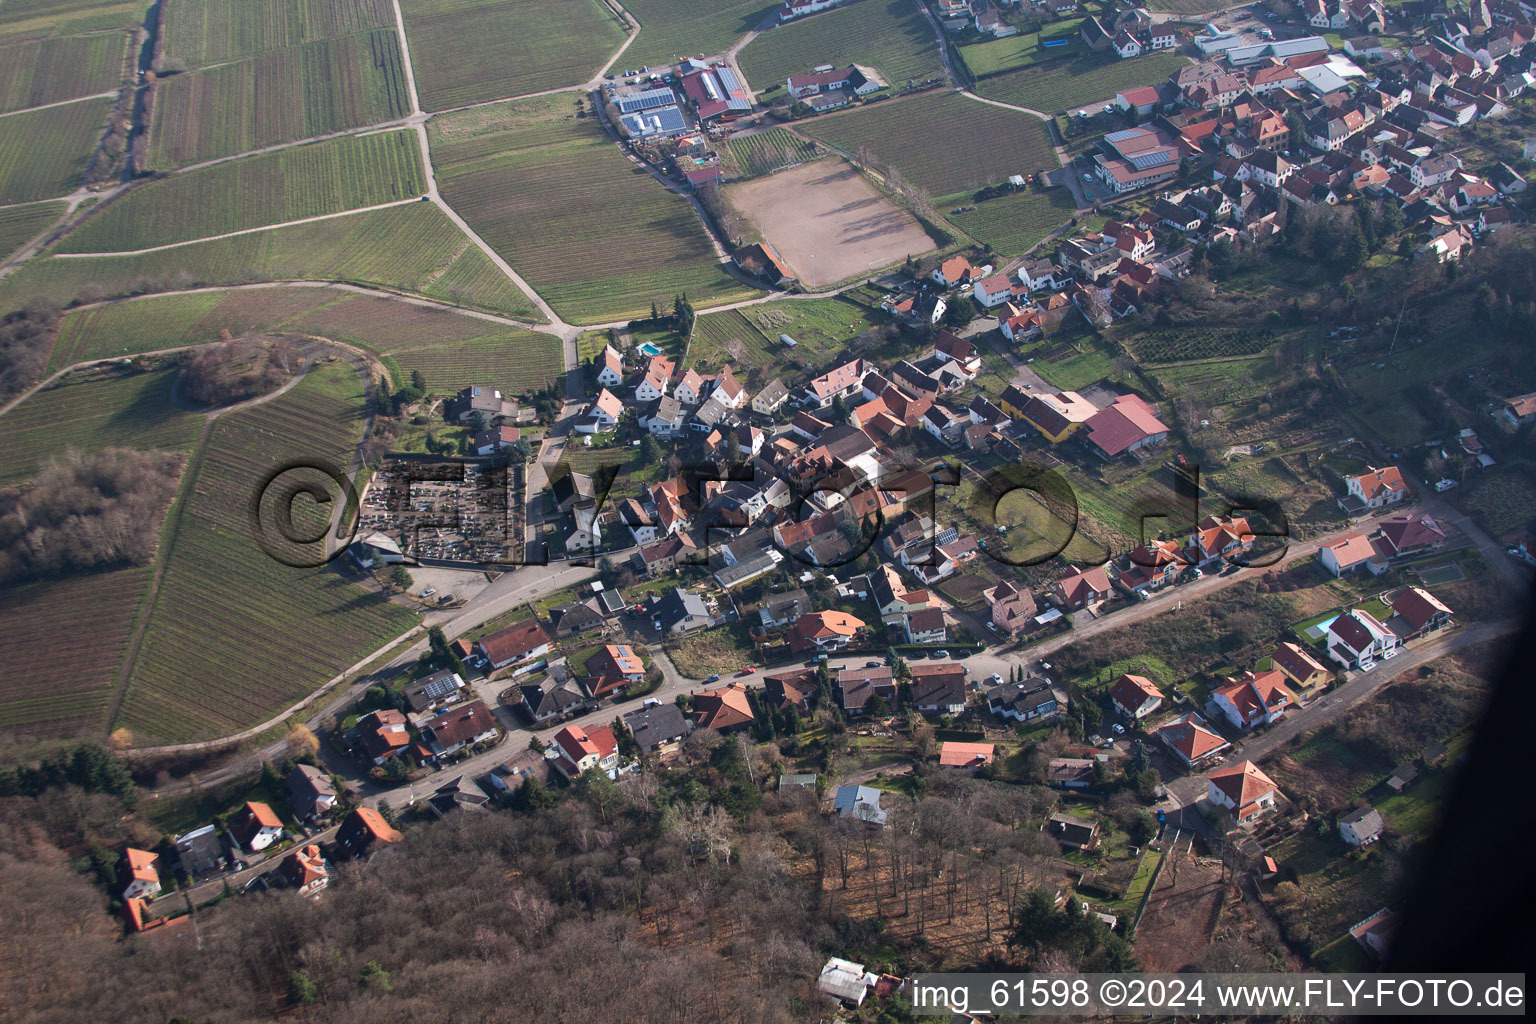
(516, 361)
(965, 144)
(67, 687)
(1022, 50)
(470, 51)
(290, 184)
(1087, 80)
(45, 153)
(597, 236)
(672, 29)
(20, 224)
(131, 411)
(40, 19)
(50, 70)
(197, 33)
(750, 337)
(234, 636)
(292, 94)
(412, 248)
(1010, 224)
(892, 36)
(766, 152)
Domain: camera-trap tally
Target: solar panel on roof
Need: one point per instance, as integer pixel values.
(728, 79)
(647, 100)
(1123, 134)
(1142, 161)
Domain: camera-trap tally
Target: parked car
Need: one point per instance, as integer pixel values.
(1119, 729)
(712, 679)
(428, 592)
(996, 680)
(873, 664)
(940, 654)
(748, 671)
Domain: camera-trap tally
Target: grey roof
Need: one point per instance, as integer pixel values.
(647, 99)
(676, 605)
(577, 615)
(432, 688)
(662, 121)
(797, 780)
(547, 701)
(1363, 820)
(758, 564)
(306, 784)
(862, 802)
(611, 602)
(654, 726)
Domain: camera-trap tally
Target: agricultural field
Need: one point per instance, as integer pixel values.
(470, 51)
(672, 29)
(197, 33)
(998, 55)
(45, 153)
(966, 144)
(519, 362)
(290, 184)
(40, 19)
(130, 410)
(1010, 224)
(749, 338)
(292, 94)
(1080, 82)
(44, 71)
(234, 636)
(892, 36)
(764, 153)
(1188, 343)
(66, 688)
(412, 248)
(597, 236)
(20, 224)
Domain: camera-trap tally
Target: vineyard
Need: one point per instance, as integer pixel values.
(20, 224)
(470, 51)
(598, 237)
(34, 20)
(45, 153)
(764, 153)
(413, 248)
(234, 636)
(1086, 80)
(519, 362)
(66, 688)
(50, 70)
(892, 36)
(197, 33)
(292, 94)
(729, 337)
(1012, 223)
(129, 411)
(1188, 343)
(670, 29)
(291, 184)
(965, 144)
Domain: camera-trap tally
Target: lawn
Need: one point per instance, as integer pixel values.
(411, 248)
(671, 29)
(1086, 80)
(998, 55)
(61, 68)
(892, 36)
(234, 636)
(290, 184)
(597, 236)
(290, 94)
(766, 152)
(45, 153)
(966, 144)
(20, 224)
(123, 410)
(470, 51)
(197, 33)
(1071, 363)
(1010, 224)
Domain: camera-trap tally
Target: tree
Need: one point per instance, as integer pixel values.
(650, 451)
(301, 991)
(1091, 715)
(374, 975)
(418, 382)
(1036, 924)
(400, 578)
(302, 742)
(597, 789)
(876, 707)
(444, 656)
(959, 312)
(534, 796)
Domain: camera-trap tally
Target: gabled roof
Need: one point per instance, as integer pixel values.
(1129, 420)
(141, 864)
(1079, 582)
(1418, 606)
(954, 754)
(514, 642)
(1134, 691)
(1375, 482)
(1243, 783)
(1295, 662)
(1351, 550)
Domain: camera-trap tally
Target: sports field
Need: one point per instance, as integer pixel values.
(1088, 80)
(45, 153)
(672, 29)
(411, 248)
(51, 70)
(470, 51)
(892, 36)
(290, 184)
(596, 235)
(197, 33)
(291, 94)
(20, 224)
(965, 143)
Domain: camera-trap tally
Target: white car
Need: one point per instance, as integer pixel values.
(1119, 729)
(996, 680)
(428, 592)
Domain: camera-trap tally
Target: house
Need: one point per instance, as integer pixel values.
(993, 291)
(383, 734)
(1356, 639)
(433, 691)
(452, 730)
(256, 827)
(956, 270)
(304, 869)
(664, 555)
(1242, 790)
(824, 631)
(488, 442)
(844, 980)
(575, 750)
(1403, 776)
(1128, 425)
(616, 661)
(1155, 564)
(1305, 673)
(1218, 537)
(610, 367)
(655, 379)
(310, 793)
(658, 729)
(1039, 274)
(518, 642)
(772, 395)
(1070, 772)
(858, 685)
(1361, 826)
(969, 756)
(543, 702)
(1135, 697)
(679, 611)
(141, 868)
(1072, 833)
(1415, 612)
(938, 689)
(460, 792)
(1056, 415)
(1191, 740)
(1029, 701)
(926, 626)
(1518, 411)
(859, 802)
(1351, 553)
(664, 417)
(363, 830)
(792, 781)
(1375, 933)
(1403, 535)
(1254, 699)
(794, 689)
(475, 400)
(780, 610)
(1012, 607)
(200, 852)
(1081, 588)
(724, 709)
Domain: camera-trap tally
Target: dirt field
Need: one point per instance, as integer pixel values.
(1177, 924)
(827, 222)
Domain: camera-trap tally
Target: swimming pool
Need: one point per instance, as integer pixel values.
(648, 349)
(1318, 629)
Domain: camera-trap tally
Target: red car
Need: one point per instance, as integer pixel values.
(747, 672)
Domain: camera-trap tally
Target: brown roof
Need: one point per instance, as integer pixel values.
(723, 708)
(1191, 738)
(366, 819)
(1243, 782)
(514, 642)
(461, 724)
(1133, 691)
(1077, 585)
(1295, 662)
(1418, 606)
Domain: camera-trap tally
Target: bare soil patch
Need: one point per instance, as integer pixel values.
(1181, 912)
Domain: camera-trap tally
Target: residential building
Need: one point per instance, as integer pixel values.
(1377, 488)
(1254, 699)
(460, 792)
(1012, 607)
(141, 869)
(1416, 612)
(256, 827)
(545, 702)
(843, 980)
(1072, 833)
(768, 400)
(1242, 790)
(434, 690)
(938, 689)
(926, 626)
(518, 642)
(664, 555)
(824, 631)
(1029, 701)
(363, 830)
(724, 709)
(658, 729)
(1357, 639)
(1135, 697)
(1070, 772)
(1402, 536)
(1305, 675)
(968, 756)
(383, 734)
(679, 611)
(493, 440)
(456, 728)
(1375, 933)
(1351, 553)
(859, 802)
(1191, 740)
(1081, 588)
(576, 749)
(1361, 827)
(858, 685)
(304, 870)
(310, 792)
